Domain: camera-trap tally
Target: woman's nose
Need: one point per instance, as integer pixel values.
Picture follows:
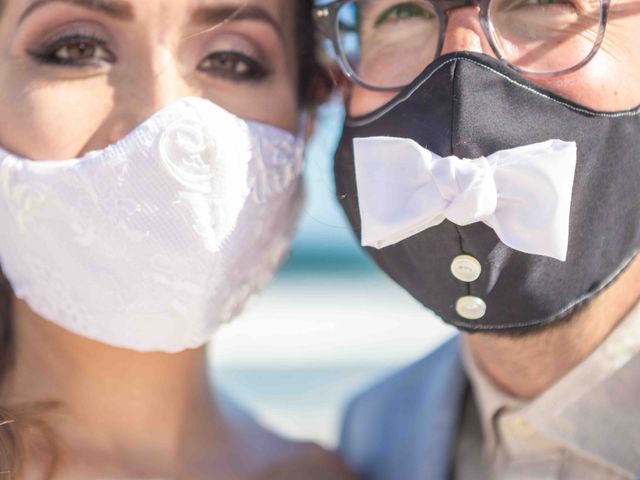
(145, 95)
(465, 33)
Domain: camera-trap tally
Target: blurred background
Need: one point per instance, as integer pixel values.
(329, 325)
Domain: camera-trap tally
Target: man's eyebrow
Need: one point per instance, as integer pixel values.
(217, 15)
(119, 9)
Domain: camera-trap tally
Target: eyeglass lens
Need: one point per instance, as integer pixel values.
(388, 43)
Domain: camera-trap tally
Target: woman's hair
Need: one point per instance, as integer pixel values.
(313, 87)
(10, 445)
(314, 81)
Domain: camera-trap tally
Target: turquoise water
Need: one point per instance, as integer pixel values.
(313, 341)
(328, 326)
(305, 403)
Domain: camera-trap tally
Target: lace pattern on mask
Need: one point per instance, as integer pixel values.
(111, 245)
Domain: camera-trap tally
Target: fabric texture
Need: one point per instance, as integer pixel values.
(523, 194)
(470, 106)
(586, 426)
(153, 242)
(406, 426)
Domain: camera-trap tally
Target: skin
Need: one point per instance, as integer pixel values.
(526, 367)
(125, 414)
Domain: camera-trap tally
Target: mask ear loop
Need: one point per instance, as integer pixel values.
(305, 126)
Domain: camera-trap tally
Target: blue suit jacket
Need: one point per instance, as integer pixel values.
(406, 427)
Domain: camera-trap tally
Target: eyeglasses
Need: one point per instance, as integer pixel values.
(384, 45)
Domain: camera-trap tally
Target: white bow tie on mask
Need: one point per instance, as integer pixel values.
(523, 194)
(153, 242)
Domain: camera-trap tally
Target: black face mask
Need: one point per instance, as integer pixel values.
(470, 105)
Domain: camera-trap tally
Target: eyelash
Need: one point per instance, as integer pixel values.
(46, 55)
(256, 70)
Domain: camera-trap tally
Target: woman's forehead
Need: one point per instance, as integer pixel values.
(281, 10)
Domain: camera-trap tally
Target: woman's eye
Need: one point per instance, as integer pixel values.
(233, 65)
(75, 50)
(403, 11)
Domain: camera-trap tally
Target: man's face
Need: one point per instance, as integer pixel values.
(610, 82)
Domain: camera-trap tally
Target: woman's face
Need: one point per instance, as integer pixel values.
(78, 75)
(609, 82)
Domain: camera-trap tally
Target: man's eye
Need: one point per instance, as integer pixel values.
(233, 65)
(508, 5)
(75, 50)
(403, 11)
(547, 2)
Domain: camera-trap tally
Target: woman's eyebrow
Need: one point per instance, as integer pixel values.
(119, 9)
(216, 15)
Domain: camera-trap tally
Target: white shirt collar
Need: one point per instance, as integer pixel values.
(593, 411)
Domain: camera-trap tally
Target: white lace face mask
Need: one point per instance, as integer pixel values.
(153, 242)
